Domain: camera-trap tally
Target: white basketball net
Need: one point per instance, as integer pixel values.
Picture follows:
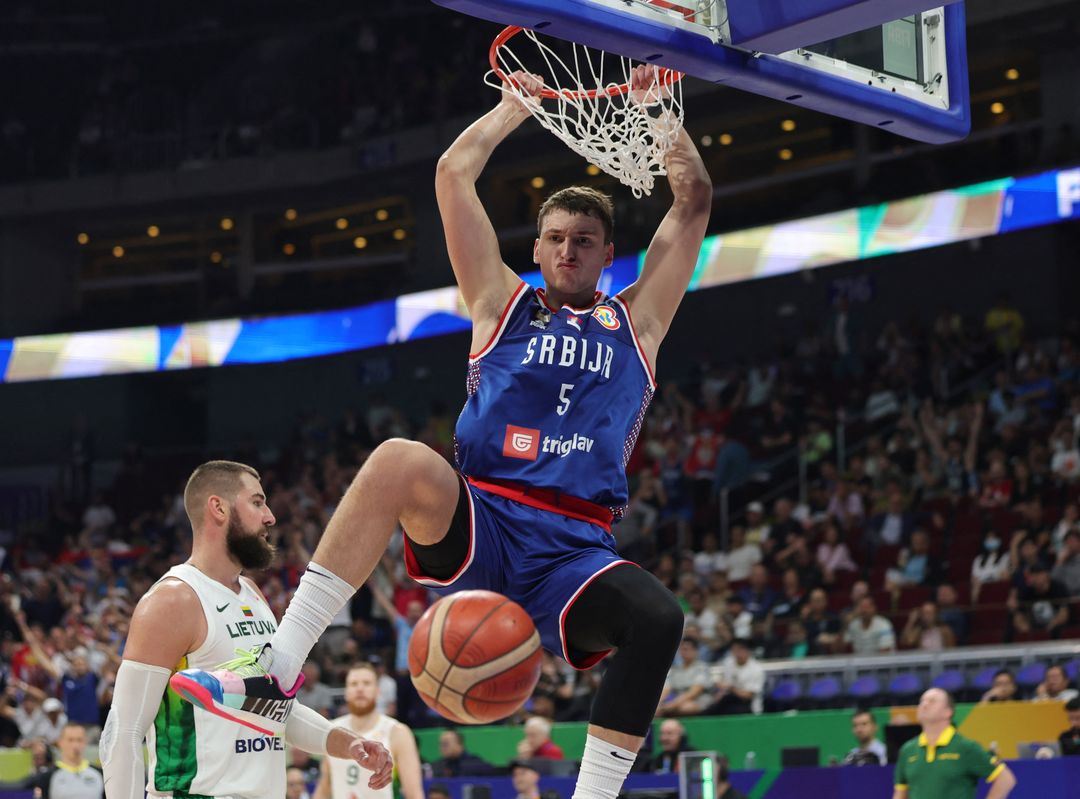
(626, 136)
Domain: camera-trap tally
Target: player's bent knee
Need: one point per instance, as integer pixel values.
(662, 621)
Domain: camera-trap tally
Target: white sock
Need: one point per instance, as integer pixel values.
(604, 768)
(318, 598)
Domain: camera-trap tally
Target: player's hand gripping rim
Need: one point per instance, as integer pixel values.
(375, 757)
(523, 91)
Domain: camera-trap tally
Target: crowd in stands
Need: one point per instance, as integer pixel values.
(950, 518)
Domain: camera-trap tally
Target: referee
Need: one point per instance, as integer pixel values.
(73, 777)
(943, 764)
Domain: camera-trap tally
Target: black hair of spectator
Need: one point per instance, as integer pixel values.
(1073, 704)
(439, 789)
(863, 711)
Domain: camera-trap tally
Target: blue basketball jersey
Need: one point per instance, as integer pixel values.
(556, 399)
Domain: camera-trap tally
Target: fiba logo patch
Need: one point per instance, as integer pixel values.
(521, 442)
(605, 315)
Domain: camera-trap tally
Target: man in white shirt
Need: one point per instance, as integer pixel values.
(870, 751)
(742, 681)
(868, 633)
(741, 555)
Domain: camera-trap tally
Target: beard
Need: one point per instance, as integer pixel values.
(250, 550)
(361, 707)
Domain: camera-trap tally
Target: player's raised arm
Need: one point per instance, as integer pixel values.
(167, 624)
(486, 283)
(673, 253)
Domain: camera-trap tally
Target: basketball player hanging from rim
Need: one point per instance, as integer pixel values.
(558, 385)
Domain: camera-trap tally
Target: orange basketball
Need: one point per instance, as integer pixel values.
(475, 656)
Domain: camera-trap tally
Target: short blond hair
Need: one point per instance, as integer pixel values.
(582, 200)
(213, 477)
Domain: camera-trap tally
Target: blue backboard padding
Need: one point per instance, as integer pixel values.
(776, 26)
(644, 39)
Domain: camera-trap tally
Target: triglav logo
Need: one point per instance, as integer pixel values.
(521, 442)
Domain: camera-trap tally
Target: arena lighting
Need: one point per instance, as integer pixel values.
(849, 236)
(289, 248)
(382, 215)
(997, 108)
(215, 257)
(785, 154)
(153, 231)
(118, 251)
(787, 125)
(227, 223)
(83, 238)
(341, 223)
(290, 214)
(726, 139)
(538, 182)
(1012, 73)
(592, 169)
(706, 140)
(400, 234)
(359, 242)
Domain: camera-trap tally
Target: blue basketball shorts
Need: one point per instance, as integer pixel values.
(534, 546)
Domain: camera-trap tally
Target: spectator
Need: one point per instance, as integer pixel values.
(738, 618)
(1070, 521)
(991, 565)
(386, 701)
(537, 742)
(1055, 686)
(823, 629)
(1006, 325)
(757, 527)
(723, 787)
(73, 777)
(792, 596)
(700, 615)
(307, 765)
(833, 554)
(869, 749)
(950, 612)
(36, 716)
(525, 777)
(296, 784)
(846, 506)
(758, 596)
(315, 693)
(686, 691)
(997, 486)
(1067, 568)
(1041, 605)
(741, 555)
(553, 691)
(892, 527)
(454, 761)
(742, 681)
(1070, 739)
(912, 565)
(710, 559)
(1002, 689)
(778, 434)
(868, 633)
(925, 630)
(41, 763)
(795, 645)
(672, 743)
(438, 791)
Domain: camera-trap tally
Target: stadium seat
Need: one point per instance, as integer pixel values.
(994, 593)
(985, 678)
(865, 688)
(911, 596)
(1072, 668)
(785, 694)
(905, 686)
(823, 692)
(1031, 675)
(951, 681)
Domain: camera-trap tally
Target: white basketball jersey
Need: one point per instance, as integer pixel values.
(347, 779)
(193, 752)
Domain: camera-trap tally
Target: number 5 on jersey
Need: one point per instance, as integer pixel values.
(564, 399)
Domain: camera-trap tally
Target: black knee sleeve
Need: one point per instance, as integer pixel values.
(629, 609)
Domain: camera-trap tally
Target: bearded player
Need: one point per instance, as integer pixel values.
(559, 380)
(343, 779)
(198, 615)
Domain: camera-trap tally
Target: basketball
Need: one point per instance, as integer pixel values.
(474, 657)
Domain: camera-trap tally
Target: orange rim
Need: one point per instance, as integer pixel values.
(666, 76)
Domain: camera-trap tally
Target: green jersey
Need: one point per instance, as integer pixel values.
(951, 768)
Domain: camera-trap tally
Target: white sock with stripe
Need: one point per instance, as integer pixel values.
(604, 768)
(319, 597)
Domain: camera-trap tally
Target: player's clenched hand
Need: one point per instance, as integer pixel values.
(375, 757)
(528, 87)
